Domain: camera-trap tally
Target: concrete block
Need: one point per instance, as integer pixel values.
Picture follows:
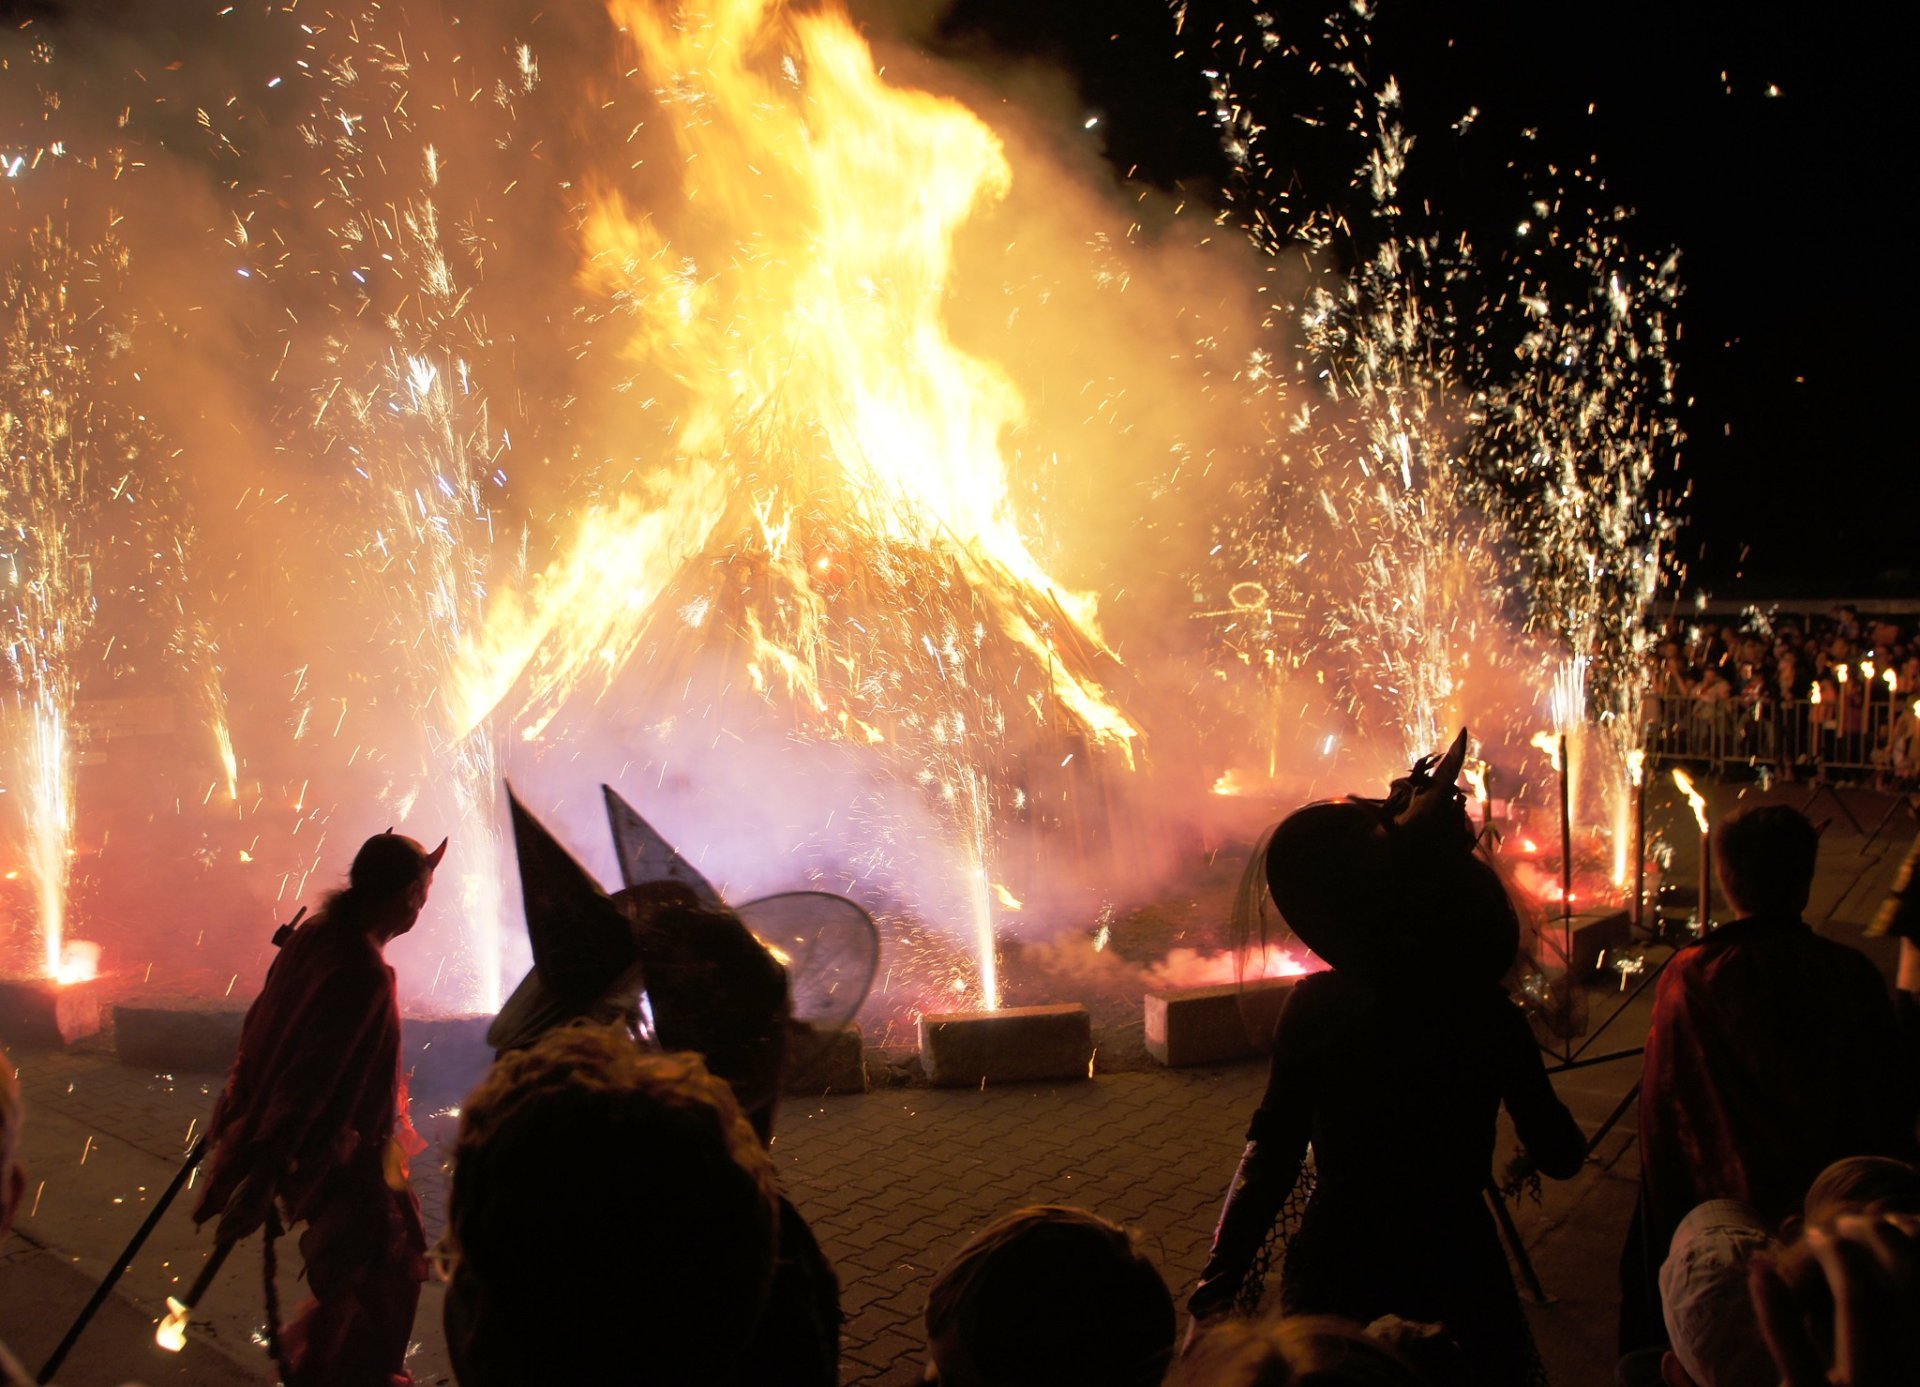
(40, 1011)
(822, 1060)
(445, 1058)
(1013, 1045)
(1597, 936)
(1203, 1025)
(176, 1034)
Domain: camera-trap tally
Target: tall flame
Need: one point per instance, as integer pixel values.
(1695, 800)
(810, 345)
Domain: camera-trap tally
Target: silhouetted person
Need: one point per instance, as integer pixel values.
(1394, 1065)
(1772, 1053)
(1049, 1296)
(612, 1219)
(312, 1124)
(710, 989)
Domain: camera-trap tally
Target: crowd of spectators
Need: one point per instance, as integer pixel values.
(1793, 691)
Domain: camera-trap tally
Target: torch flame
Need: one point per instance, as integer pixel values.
(1695, 799)
(1549, 742)
(1636, 767)
(172, 1333)
(1816, 693)
(1840, 674)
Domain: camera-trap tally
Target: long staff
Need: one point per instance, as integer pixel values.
(105, 1288)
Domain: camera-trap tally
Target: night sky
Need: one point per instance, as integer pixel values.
(1799, 271)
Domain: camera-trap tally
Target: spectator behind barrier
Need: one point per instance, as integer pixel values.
(1300, 1351)
(612, 1219)
(1049, 1296)
(1710, 1317)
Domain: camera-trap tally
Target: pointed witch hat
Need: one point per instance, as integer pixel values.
(582, 943)
(1391, 889)
(828, 945)
(646, 857)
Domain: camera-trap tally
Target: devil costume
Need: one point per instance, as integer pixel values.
(316, 1098)
(1392, 1066)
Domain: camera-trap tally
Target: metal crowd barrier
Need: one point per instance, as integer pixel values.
(1831, 738)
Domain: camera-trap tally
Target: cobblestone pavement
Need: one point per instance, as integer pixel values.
(893, 1182)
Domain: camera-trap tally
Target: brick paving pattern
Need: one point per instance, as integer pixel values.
(893, 1182)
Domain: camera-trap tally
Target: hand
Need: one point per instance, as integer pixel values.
(246, 1209)
(1865, 1271)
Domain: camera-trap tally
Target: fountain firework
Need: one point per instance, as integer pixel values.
(48, 450)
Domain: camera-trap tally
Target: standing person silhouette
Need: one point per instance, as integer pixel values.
(1393, 1065)
(312, 1125)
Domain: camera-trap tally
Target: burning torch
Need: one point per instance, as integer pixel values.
(172, 1333)
(1699, 805)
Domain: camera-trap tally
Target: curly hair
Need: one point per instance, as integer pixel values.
(612, 1217)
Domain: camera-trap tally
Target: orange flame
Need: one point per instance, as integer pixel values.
(172, 1333)
(1695, 799)
(797, 303)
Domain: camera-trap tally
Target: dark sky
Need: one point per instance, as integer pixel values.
(1799, 271)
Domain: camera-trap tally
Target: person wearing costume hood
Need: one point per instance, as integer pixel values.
(312, 1125)
(1393, 1064)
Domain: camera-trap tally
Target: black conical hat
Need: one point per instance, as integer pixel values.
(581, 941)
(1393, 888)
(646, 857)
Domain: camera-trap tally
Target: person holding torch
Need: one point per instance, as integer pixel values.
(312, 1126)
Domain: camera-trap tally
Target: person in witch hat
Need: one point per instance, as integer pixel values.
(312, 1125)
(1394, 1064)
(710, 988)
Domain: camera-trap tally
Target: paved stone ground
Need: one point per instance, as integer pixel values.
(893, 1182)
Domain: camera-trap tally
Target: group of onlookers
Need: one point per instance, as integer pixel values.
(1792, 691)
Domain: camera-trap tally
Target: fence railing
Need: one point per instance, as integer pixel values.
(1846, 740)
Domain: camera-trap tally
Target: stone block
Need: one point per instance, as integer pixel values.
(1203, 1025)
(1013, 1045)
(174, 1034)
(445, 1058)
(822, 1060)
(1597, 936)
(40, 1011)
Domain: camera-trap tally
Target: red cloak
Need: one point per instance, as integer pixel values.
(1773, 1053)
(316, 1096)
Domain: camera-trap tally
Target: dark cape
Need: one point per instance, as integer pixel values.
(1398, 1088)
(1773, 1053)
(316, 1094)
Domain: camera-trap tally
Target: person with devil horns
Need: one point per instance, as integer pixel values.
(312, 1126)
(1393, 1064)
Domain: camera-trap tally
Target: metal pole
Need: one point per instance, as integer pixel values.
(105, 1288)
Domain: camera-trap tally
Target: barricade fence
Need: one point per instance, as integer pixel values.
(1877, 739)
